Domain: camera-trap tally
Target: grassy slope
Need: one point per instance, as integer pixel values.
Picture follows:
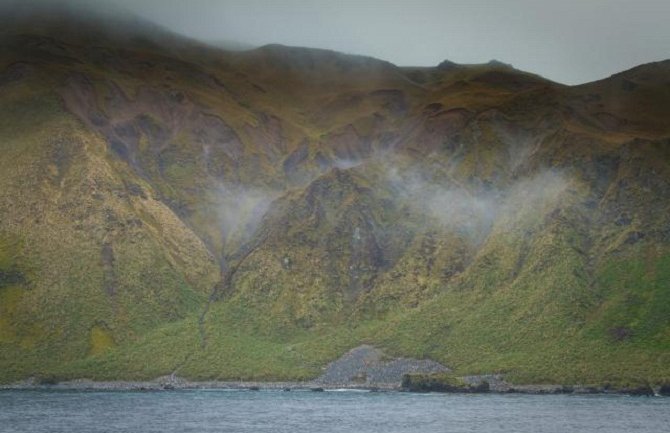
(99, 264)
(550, 320)
(103, 276)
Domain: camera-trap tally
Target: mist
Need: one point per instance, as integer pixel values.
(240, 210)
(470, 210)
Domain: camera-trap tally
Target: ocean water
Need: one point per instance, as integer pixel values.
(331, 411)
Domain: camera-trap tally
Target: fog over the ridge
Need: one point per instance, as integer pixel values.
(569, 41)
(466, 209)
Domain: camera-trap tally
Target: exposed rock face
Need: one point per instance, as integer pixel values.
(367, 366)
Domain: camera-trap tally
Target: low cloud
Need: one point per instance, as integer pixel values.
(241, 210)
(472, 210)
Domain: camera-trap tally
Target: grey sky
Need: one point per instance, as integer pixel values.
(570, 41)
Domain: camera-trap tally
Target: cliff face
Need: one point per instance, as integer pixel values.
(171, 207)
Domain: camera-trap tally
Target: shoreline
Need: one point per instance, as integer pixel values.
(179, 384)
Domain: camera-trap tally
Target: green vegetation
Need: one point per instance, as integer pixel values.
(256, 215)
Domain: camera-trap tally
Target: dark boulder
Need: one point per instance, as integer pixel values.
(441, 383)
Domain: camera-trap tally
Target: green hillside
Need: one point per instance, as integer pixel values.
(168, 207)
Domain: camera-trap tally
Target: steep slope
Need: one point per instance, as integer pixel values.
(95, 258)
(171, 208)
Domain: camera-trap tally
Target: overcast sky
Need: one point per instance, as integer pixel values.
(569, 41)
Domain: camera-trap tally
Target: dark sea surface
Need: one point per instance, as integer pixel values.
(330, 411)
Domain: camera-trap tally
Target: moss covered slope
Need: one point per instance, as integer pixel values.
(172, 208)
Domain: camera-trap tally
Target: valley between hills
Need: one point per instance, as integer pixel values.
(171, 208)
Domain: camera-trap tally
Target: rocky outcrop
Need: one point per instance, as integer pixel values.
(444, 382)
(366, 366)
